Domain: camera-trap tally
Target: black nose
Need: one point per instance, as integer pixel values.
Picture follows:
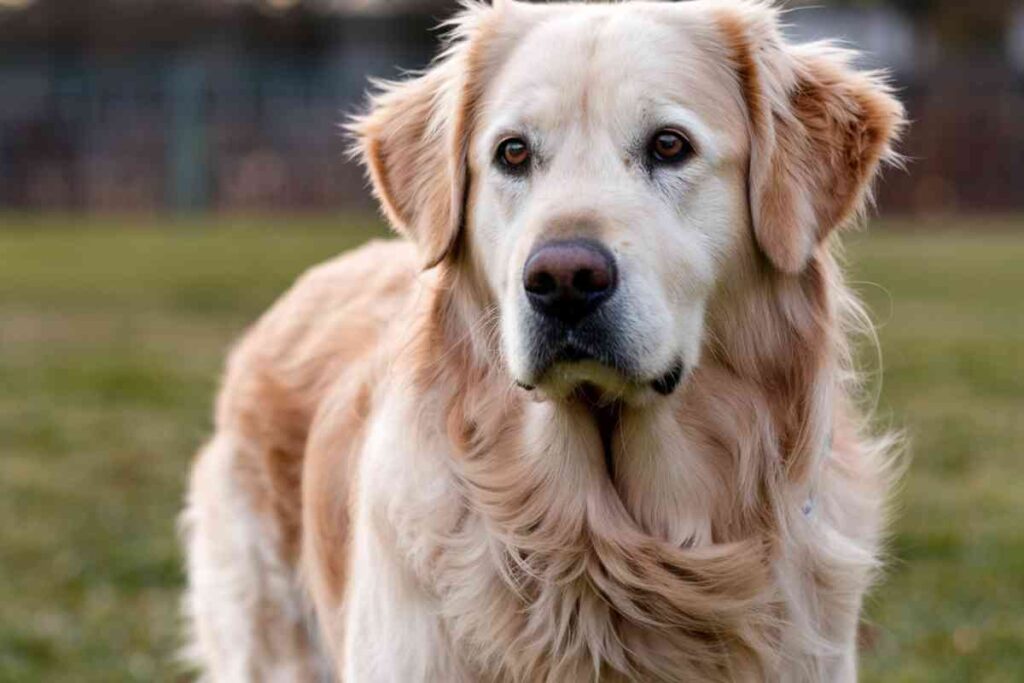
(568, 279)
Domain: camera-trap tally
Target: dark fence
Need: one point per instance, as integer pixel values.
(965, 144)
(218, 122)
(245, 116)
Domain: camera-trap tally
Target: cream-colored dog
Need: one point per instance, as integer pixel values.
(607, 433)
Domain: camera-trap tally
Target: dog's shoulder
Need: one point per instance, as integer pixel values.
(326, 324)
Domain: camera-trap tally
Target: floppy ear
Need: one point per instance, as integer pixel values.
(413, 142)
(818, 127)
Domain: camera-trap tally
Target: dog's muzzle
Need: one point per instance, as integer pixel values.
(570, 286)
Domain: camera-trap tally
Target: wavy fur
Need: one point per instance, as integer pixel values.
(445, 524)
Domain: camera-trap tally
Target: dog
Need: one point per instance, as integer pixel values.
(595, 417)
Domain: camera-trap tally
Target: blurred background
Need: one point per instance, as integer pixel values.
(168, 166)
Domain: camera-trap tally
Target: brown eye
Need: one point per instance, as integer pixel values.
(670, 147)
(513, 154)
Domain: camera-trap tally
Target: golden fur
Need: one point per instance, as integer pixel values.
(485, 537)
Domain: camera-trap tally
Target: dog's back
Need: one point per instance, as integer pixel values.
(332, 317)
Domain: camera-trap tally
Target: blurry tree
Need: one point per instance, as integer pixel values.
(974, 26)
(958, 25)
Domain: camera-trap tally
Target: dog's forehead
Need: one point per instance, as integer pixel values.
(611, 60)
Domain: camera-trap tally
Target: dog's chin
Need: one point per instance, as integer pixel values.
(601, 384)
(588, 380)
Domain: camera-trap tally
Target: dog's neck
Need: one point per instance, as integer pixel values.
(685, 523)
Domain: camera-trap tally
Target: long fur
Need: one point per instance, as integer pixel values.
(445, 525)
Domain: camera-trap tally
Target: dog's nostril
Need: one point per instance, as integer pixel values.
(591, 281)
(541, 283)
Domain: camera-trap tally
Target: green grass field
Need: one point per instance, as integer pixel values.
(111, 339)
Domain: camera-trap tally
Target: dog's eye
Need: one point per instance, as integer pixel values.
(513, 154)
(669, 147)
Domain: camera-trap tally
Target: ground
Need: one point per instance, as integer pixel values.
(111, 338)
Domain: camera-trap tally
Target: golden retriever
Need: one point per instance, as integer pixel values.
(595, 418)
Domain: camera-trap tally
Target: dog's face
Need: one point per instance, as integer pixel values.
(609, 184)
(602, 169)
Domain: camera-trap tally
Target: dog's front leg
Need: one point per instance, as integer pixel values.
(392, 628)
(404, 503)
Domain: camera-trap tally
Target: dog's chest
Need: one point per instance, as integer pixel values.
(406, 488)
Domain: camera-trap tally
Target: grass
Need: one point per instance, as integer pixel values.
(111, 337)
(952, 333)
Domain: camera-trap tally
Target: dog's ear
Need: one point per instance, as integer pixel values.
(819, 129)
(413, 141)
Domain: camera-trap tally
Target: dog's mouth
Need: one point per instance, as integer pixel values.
(600, 376)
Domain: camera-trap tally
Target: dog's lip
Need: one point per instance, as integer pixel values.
(667, 383)
(572, 352)
(575, 353)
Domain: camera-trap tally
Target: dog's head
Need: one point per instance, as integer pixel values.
(602, 168)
